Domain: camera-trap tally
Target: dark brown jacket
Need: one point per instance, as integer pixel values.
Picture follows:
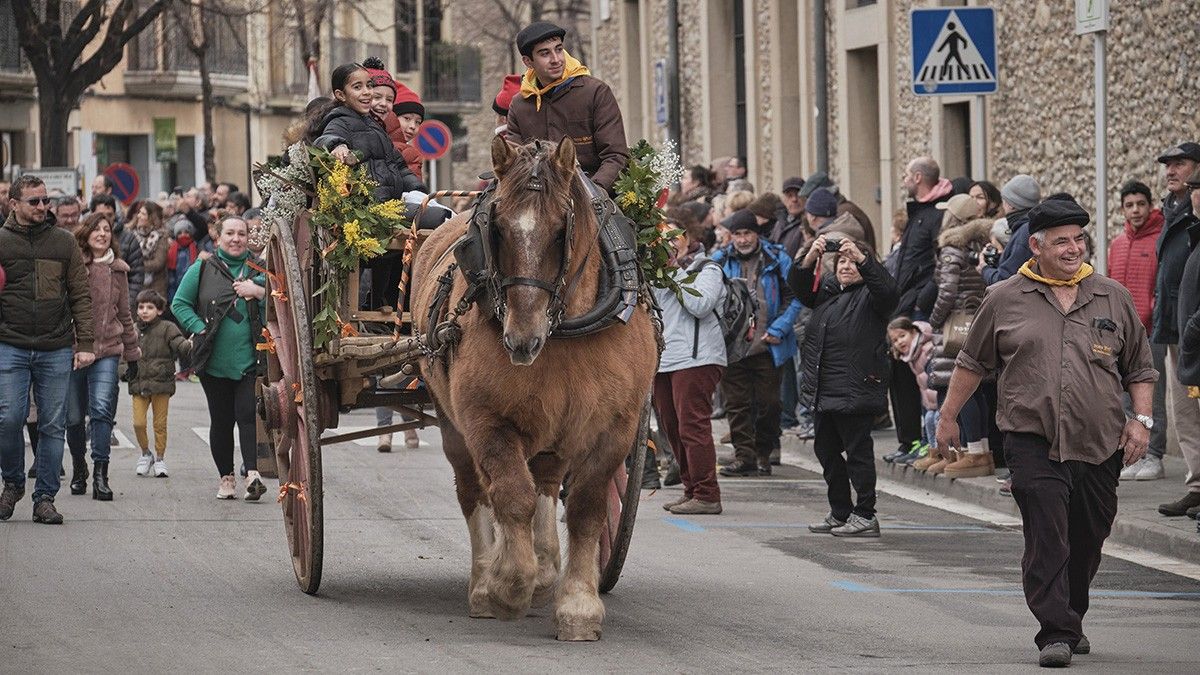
(162, 343)
(46, 304)
(959, 287)
(111, 318)
(584, 109)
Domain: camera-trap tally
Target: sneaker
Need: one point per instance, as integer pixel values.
(738, 468)
(1083, 646)
(144, 463)
(45, 513)
(857, 526)
(826, 525)
(254, 486)
(228, 489)
(1055, 655)
(896, 454)
(806, 431)
(9, 498)
(1130, 472)
(676, 502)
(696, 507)
(160, 468)
(764, 468)
(1179, 508)
(1006, 488)
(411, 440)
(1152, 469)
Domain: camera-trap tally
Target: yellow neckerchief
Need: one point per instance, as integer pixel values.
(529, 83)
(1085, 271)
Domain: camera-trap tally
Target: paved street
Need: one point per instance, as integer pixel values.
(168, 578)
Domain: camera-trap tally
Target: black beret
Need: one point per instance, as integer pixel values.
(1056, 212)
(538, 31)
(742, 219)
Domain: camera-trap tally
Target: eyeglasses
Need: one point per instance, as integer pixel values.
(34, 201)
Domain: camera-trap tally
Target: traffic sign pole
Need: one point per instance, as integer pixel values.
(1100, 260)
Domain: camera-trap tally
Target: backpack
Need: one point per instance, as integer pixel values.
(737, 313)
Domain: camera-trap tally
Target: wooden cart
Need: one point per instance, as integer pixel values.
(305, 389)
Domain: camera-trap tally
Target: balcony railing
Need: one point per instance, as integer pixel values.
(161, 63)
(451, 74)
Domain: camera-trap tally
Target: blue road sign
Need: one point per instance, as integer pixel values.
(953, 51)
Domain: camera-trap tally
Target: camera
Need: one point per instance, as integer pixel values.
(833, 245)
(991, 256)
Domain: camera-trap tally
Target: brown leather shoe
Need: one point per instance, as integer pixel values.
(971, 465)
(693, 507)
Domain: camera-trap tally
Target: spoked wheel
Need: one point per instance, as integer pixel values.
(624, 493)
(291, 400)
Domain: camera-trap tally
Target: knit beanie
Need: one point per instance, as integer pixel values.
(741, 219)
(1021, 191)
(407, 101)
(821, 203)
(378, 74)
(512, 85)
(1000, 231)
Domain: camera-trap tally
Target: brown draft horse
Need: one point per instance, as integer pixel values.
(518, 411)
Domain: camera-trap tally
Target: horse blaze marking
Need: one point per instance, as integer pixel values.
(433, 139)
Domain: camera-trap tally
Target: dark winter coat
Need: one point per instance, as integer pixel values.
(584, 109)
(914, 267)
(789, 232)
(162, 344)
(1189, 313)
(959, 287)
(845, 353)
(46, 303)
(1017, 252)
(131, 253)
(365, 134)
(1173, 251)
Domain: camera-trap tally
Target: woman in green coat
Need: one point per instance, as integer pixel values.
(220, 302)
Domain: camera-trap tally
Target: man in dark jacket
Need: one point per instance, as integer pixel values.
(846, 368)
(559, 98)
(820, 180)
(45, 331)
(1018, 195)
(915, 258)
(1174, 247)
(790, 229)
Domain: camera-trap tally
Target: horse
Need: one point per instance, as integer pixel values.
(518, 410)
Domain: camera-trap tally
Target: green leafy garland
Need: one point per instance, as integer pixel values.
(641, 193)
(349, 226)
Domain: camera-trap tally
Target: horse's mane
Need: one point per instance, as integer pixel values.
(558, 191)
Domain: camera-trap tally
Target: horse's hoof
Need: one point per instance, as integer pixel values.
(582, 632)
(478, 606)
(508, 609)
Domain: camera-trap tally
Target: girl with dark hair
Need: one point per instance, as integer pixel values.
(93, 390)
(351, 132)
(988, 197)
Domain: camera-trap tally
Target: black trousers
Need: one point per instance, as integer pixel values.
(1067, 510)
(906, 403)
(838, 433)
(751, 390)
(231, 402)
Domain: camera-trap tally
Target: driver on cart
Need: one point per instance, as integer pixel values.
(559, 98)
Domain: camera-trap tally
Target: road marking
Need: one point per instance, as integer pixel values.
(975, 512)
(1094, 593)
(683, 524)
(689, 526)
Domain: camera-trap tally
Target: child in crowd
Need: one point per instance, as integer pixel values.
(154, 382)
(912, 343)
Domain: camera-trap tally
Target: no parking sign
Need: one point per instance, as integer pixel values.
(126, 182)
(433, 139)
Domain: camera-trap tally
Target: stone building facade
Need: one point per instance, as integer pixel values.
(1040, 122)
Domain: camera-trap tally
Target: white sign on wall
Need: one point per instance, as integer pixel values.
(64, 179)
(1091, 16)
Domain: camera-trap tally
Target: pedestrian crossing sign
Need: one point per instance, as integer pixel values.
(953, 51)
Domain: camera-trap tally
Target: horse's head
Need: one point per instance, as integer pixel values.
(533, 224)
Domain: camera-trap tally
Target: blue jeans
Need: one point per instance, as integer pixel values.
(48, 371)
(94, 394)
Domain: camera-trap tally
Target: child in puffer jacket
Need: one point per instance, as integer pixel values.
(152, 384)
(913, 342)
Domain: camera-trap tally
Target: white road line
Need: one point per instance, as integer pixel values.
(976, 512)
(369, 442)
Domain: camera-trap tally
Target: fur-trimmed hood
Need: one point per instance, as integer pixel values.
(977, 231)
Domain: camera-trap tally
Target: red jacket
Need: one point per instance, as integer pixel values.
(1132, 262)
(391, 124)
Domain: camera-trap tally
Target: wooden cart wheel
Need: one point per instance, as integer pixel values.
(291, 401)
(624, 493)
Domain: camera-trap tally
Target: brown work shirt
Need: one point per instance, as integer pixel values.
(1061, 373)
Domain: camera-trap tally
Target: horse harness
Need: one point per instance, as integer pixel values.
(475, 258)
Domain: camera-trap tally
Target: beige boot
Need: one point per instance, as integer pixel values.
(927, 461)
(977, 462)
(385, 443)
(941, 464)
(411, 440)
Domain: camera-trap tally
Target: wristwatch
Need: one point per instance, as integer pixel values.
(1146, 420)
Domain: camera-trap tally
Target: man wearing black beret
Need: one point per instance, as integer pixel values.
(559, 98)
(1066, 344)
